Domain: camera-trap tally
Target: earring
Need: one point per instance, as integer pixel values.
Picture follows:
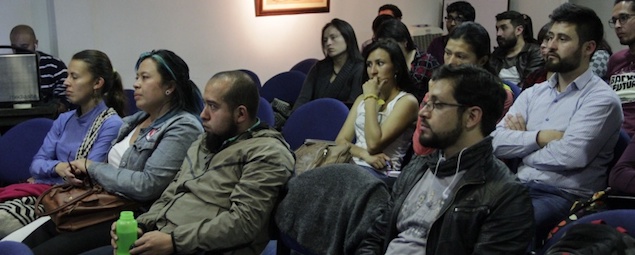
(167, 92)
(395, 75)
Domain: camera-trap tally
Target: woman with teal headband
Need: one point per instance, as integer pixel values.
(147, 153)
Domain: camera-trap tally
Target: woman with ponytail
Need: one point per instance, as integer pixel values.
(145, 156)
(84, 133)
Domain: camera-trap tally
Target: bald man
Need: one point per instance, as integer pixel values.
(52, 69)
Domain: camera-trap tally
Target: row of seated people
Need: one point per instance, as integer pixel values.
(136, 157)
(138, 163)
(558, 168)
(473, 96)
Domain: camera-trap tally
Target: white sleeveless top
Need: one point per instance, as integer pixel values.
(397, 149)
(116, 152)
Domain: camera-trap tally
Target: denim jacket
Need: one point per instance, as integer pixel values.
(152, 161)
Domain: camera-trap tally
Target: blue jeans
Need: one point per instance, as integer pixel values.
(385, 178)
(551, 205)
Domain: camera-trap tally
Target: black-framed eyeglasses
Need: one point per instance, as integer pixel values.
(456, 19)
(622, 18)
(429, 106)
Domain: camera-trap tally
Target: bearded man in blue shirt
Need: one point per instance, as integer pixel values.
(564, 129)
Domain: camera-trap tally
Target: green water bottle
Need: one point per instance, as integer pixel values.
(126, 229)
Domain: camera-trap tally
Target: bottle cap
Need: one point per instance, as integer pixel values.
(126, 215)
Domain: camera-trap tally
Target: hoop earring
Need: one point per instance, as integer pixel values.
(167, 92)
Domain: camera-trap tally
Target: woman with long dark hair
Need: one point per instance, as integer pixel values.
(339, 74)
(420, 64)
(83, 133)
(145, 156)
(381, 119)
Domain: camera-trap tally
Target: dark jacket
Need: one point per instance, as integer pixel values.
(489, 211)
(529, 59)
(327, 210)
(346, 87)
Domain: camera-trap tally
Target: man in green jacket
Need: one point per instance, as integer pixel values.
(222, 199)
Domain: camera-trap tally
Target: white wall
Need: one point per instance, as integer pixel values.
(218, 35)
(604, 10)
(210, 36)
(538, 10)
(31, 12)
(486, 11)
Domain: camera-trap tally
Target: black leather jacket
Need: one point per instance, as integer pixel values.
(489, 211)
(529, 59)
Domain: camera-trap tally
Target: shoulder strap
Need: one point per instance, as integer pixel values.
(91, 135)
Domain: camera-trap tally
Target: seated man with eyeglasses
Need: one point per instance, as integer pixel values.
(457, 13)
(460, 199)
(620, 73)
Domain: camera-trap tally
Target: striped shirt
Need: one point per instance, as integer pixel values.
(52, 76)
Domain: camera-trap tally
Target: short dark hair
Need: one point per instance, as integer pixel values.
(477, 37)
(397, 30)
(242, 91)
(542, 34)
(588, 25)
(352, 49)
(474, 86)
(462, 8)
(396, 57)
(380, 19)
(514, 17)
(393, 8)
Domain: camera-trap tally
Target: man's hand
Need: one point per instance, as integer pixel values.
(113, 235)
(153, 243)
(515, 122)
(546, 136)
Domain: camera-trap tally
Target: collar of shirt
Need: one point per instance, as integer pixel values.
(579, 83)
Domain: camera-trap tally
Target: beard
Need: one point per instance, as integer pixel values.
(442, 140)
(625, 41)
(506, 43)
(215, 141)
(566, 64)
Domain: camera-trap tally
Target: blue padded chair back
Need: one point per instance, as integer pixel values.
(254, 77)
(515, 89)
(318, 119)
(265, 112)
(131, 104)
(622, 218)
(18, 146)
(304, 66)
(14, 248)
(285, 86)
